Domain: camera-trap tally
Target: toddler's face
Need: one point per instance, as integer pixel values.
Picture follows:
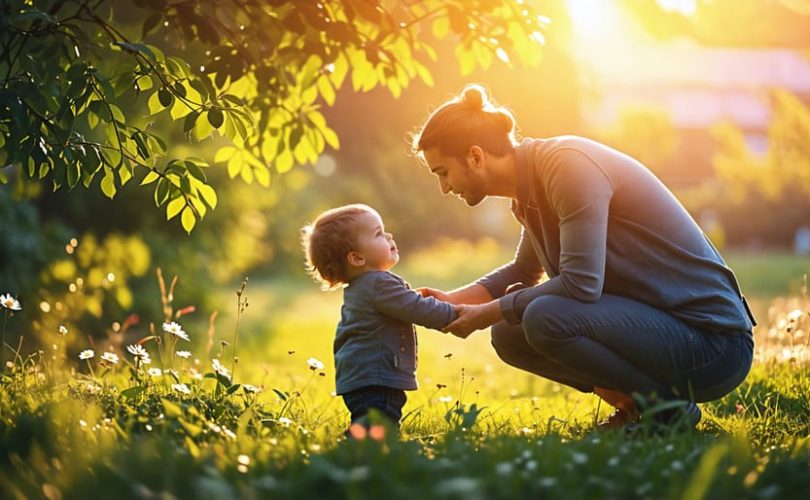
(375, 245)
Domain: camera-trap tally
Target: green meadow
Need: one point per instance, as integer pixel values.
(264, 422)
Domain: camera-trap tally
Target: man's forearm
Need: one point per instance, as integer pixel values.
(474, 293)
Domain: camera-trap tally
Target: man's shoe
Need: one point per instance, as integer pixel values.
(676, 416)
(616, 420)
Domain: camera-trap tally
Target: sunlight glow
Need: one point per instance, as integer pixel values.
(685, 7)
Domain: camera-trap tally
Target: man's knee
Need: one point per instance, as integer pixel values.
(505, 340)
(545, 325)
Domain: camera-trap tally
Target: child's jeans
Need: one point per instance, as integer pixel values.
(386, 400)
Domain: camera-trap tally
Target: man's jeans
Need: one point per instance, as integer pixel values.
(386, 400)
(621, 344)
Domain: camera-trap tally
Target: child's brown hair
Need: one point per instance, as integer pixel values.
(328, 241)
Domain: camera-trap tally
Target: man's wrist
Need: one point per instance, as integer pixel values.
(493, 312)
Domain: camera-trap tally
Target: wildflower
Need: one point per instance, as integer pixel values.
(183, 354)
(155, 372)
(284, 421)
(503, 469)
(445, 399)
(139, 352)
(86, 354)
(63, 330)
(251, 388)
(357, 432)
(9, 302)
(228, 433)
(110, 357)
(315, 364)
(243, 459)
(175, 329)
(219, 369)
(183, 388)
(377, 432)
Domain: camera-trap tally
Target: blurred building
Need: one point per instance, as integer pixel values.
(698, 87)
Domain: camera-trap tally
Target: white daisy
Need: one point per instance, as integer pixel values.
(181, 388)
(86, 354)
(138, 351)
(110, 357)
(155, 372)
(10, 302)
(63, 330)
(175, 329)
(251, 388)
(315, 364)
(183, 354)
(285, 421)
(219, 369)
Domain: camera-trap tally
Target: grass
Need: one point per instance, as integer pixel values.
(476, 428)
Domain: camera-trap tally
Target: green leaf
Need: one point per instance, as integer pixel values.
(192, 447)
(215, 118)
(133, 391)
(144, 83)
(281, 395)
(143, 149)
(137, 47)
(171, 409)
(151, 177)
(441, 27)
(100, 109)
(188, 220)
(165, 97)
(155, 105)
(108, 183)
(196, 171)
(189, 122)
(174, 207)
(326, 90)
(151, 23)
(224, 153)
(209, 196)
(73, 173)
(161, 191)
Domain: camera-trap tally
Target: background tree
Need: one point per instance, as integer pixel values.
(78, 76)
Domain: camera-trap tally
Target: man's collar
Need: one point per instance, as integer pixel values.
(522, 171)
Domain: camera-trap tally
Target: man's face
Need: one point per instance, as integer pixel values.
(457, 177)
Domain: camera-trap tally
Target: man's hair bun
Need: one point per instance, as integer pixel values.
(474, 96)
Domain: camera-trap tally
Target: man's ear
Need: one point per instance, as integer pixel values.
(475, 156)
(355, 259)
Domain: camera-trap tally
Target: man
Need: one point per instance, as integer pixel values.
(640, 307)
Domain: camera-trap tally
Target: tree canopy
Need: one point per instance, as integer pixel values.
(84, 82)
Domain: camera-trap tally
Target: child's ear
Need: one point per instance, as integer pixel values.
(355, 259)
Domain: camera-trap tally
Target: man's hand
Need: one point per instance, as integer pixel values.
(474, 317)
(435, 293)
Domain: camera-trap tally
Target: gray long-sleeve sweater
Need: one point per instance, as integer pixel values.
(598, 221)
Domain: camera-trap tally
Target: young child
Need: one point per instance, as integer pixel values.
(375, 343)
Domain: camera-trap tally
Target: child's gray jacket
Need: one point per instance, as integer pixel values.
(375, 343)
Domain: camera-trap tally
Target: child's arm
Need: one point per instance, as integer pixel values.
(393, 298)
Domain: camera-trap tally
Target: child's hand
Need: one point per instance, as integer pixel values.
(433, 292)
(474, 317)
